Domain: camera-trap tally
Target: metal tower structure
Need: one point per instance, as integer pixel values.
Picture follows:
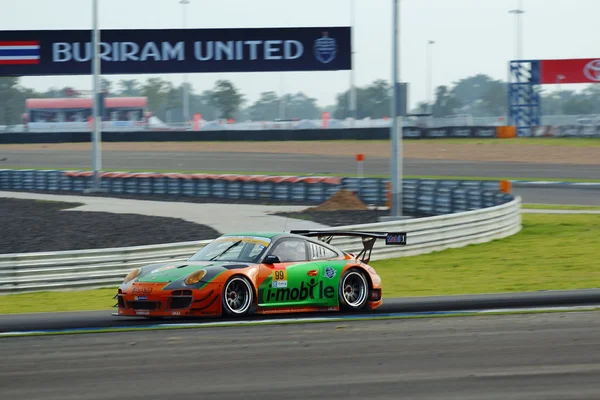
(524, 106)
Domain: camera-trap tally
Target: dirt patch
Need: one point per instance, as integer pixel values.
(33, 226)
(342, 200)
(527, 153)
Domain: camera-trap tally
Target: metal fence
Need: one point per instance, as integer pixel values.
(420, 196)
(68, 270)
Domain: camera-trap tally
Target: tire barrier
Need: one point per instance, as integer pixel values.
(420, 196)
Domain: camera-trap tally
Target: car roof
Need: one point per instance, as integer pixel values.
(268, 235)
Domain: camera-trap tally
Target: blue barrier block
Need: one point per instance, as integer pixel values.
(188, 187)
(351, 184)
(117, 184)
(173, 185)
(5, 179)
(265, 190)
(29, 179)
(330, 190)
(369, 191)
(40, 180)
(80, 182)
(490, 185)
(159, 185)
(144, 184)
(130, 185)
(16, 179)
(219, 188)
(53, 180)
(203, 187)
(234, 189)
(250, 190)
(282, 191)
(105, 183)
(298, 191)
(315, 192)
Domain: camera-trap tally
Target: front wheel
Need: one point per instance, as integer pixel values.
(238, 297)
(354, 290)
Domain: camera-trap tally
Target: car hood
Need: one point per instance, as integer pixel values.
(170, 272)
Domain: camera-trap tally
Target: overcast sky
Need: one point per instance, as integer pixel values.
(472, 36)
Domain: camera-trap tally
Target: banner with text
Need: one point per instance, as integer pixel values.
(152, 51)
(578, 70)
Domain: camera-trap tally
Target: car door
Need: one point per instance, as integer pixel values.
(293, 282)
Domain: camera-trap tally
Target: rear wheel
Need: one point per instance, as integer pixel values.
(238, 297)
(354, 290)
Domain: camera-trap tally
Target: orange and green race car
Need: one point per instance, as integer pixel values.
(259, 273)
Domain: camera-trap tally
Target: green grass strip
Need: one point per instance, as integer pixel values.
(559, 207)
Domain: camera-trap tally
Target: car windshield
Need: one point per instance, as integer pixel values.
(247, 249)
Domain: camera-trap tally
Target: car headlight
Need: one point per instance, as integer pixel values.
(195, 277)
(132, 275)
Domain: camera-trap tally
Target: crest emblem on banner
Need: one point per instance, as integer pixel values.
(325, 48)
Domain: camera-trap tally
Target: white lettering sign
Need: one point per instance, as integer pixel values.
(270, 50)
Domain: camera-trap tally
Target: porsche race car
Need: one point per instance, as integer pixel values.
(239, 274)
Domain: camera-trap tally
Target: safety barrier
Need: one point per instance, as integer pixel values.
(226, 133)
(67, 270)
(420, 196)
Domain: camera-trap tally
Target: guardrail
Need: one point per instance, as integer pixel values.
(67, 270)
(420, 196)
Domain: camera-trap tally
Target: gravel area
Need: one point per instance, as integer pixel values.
(489, 152)
(34, 226)
(339, 218)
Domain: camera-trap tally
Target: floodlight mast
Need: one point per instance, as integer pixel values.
(97, 118)
(396, 115)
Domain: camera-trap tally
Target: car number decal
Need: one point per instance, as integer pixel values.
(279, 278)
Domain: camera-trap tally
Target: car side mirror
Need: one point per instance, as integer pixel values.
(271, 259)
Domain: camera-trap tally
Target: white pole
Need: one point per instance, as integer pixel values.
(352, 97)
(186, 96)
(429, 97)
(396, 133)
(518, 29)
(97, 120)
(282, 96)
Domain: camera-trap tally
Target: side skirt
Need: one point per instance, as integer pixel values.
(288, 310)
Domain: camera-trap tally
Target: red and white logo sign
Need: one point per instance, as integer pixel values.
(592, 70)
(579, 70)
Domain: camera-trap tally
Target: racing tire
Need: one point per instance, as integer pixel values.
(353, 291)
(238, 297)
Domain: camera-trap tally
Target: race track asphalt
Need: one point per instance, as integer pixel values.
(538, 356)
(105, 319)
(280, 163)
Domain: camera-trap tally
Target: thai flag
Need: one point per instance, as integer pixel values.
(27, 52)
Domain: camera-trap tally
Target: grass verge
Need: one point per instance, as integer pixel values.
(552, 252)
(559, 207)
(448, 177)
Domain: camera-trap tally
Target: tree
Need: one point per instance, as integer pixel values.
(157, 91)
(226, 98)
(301, 106)
(445, 102)
(9, 101)
(106, 85)
(266, 108)
(129, 88)
(371, 101)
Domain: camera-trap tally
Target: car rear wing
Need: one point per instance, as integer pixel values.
(368, 239)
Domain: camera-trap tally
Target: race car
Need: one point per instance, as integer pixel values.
(246, 273)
